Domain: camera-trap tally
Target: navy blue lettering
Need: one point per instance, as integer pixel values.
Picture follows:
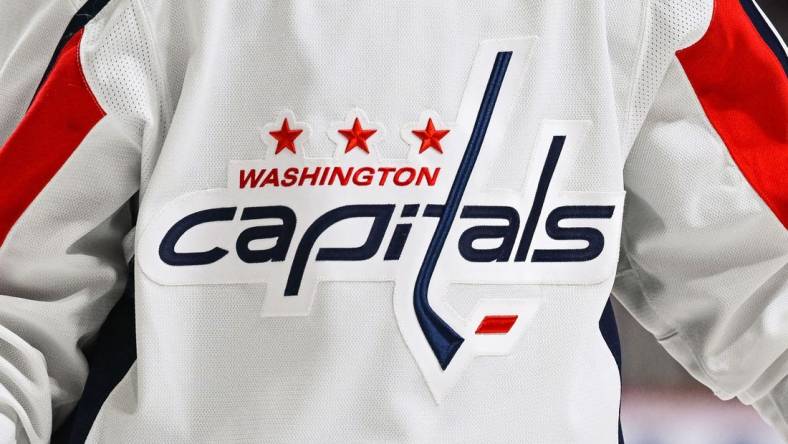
(381, 215)
(507, 233)
(595, 238)
(283, 233)
(167, 251)
(541, 193)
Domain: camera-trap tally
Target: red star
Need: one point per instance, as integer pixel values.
(357, 136)
(430, 137)
(285, 137)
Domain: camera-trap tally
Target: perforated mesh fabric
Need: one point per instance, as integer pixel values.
(121, 70)
(124, 81)
(670, 26)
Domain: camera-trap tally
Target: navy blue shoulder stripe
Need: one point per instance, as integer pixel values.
(767, 32)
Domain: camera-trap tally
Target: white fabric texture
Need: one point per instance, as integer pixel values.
(188, 86)
(29, 32)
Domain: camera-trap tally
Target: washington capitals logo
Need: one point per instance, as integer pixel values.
(427, 222)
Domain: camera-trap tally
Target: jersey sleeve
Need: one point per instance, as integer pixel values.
(29, 34)
(67, 173)
(705, 246)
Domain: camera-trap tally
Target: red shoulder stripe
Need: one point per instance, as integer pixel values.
(743, 89)
(60, 117)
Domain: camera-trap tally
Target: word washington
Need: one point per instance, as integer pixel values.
(337, 176)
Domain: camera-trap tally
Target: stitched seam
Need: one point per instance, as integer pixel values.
(668, 336)
(714, 8)
(161, 82)
(630, 106)
(635, 69)
(755, 183)
(771, 411)
(82, 74)
(769, 397)
(781, 414)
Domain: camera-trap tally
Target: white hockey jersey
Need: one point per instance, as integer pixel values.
(391, 221)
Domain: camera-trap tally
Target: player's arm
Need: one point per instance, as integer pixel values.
(705, 233)
(66, 175)
(29, 34)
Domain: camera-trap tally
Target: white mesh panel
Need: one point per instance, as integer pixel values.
(671, 25)
(123, 67)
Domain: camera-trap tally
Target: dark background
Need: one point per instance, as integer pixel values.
(777, 10)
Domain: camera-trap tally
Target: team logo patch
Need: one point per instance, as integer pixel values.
(425, 222)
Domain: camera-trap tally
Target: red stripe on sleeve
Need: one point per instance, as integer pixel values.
(60, 117)
(744, 91)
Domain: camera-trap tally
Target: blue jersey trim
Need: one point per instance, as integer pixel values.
(109, 359)
(766, 32)
(609, 329)
(80, 19)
